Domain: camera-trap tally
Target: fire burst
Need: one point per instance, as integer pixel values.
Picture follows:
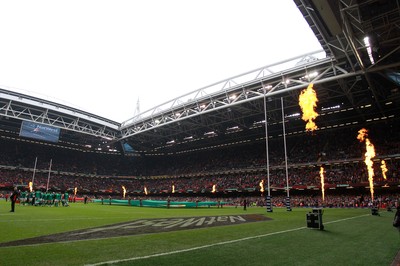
(369, 154)
(173, 188)
(321, 174)
(262, 186)
(214, 189)
(308, 101)
(123, 192)
(75, 190)
(384, 169)
(31, 186)
(145, 190)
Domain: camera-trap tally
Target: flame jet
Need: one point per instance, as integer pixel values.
(321, 174)
(369, 154)
(124, 192)
(308, 101)
(384, 169)
(262, 186)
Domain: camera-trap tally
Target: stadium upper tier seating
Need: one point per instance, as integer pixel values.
(237, 168)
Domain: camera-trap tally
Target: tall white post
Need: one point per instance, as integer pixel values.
(48, 178)
(268, 198)
(34, 171)
(286, 163)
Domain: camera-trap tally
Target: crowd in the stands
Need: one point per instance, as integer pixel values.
(240, 168)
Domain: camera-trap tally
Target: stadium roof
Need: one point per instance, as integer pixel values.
(356, 81)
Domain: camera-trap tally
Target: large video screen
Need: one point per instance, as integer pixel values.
(127, 148)
(39, 131)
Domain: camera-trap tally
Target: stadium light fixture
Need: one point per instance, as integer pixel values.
(210, 133)
(259, 122)
(267, 87)
(369, 49)
(293, 115)
(309, 76)
(334, 107)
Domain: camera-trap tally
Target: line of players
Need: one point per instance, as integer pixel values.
(39, 198)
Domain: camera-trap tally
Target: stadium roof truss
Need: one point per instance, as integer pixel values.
(233, 93)
(356, 79)
(24, 107)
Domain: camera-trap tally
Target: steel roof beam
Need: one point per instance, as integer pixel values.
(246, 92)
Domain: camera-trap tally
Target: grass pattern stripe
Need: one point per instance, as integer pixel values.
(215, 244)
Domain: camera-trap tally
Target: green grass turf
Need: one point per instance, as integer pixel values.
(350, 237)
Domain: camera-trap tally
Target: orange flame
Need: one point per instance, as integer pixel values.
(321, 174)
(124, 191)
(75, 190)
(362, 134)
(173, 188)
(214, 189)
(145, 190)
(384, 168)
(261, 186)
(308, 101)
(369, 154)
(31, 186)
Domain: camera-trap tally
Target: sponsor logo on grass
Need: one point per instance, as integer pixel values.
(160, 224)
(143, 226)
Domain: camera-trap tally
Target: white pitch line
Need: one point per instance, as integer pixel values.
(212, 245)
(62, 219)
(345, 219)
